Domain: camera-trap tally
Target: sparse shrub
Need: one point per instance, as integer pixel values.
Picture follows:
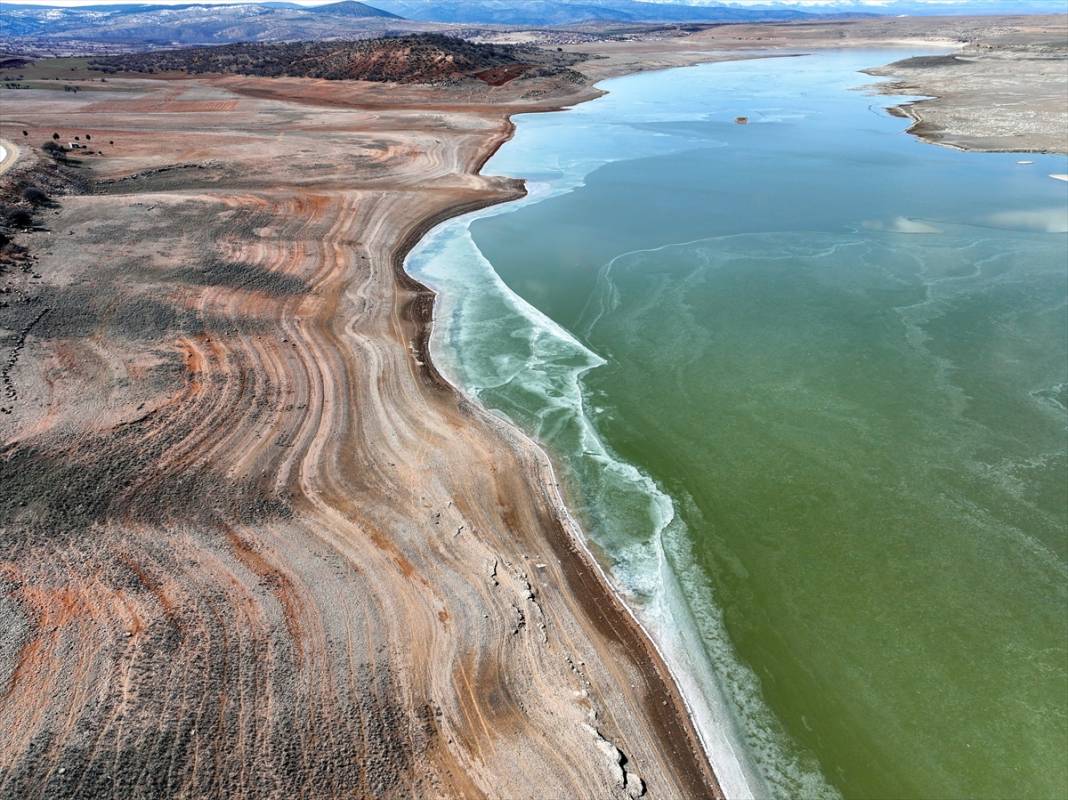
(36, 197)
(55, 149)
(19, 218)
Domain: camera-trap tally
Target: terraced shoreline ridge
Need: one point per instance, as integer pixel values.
(252, 543)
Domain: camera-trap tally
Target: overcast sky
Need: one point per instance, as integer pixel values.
(879, 6)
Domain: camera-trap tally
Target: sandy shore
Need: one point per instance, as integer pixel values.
(253, 545)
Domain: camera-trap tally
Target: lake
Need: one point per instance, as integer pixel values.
(806, 382)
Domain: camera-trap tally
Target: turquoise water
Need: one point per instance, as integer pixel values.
(806, 381)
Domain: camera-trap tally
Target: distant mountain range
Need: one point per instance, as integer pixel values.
(143, 25)
(567, 12)
(193, 23)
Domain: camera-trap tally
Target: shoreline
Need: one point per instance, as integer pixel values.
(569, 542)
(596, 593)
(925, 131)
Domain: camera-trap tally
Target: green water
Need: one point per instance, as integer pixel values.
(807, 382)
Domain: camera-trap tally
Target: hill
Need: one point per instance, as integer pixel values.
(424, 58)
(351, 8)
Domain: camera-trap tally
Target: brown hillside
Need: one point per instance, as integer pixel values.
(423, 58)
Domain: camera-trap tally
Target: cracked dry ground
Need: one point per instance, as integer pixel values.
(250, 545)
